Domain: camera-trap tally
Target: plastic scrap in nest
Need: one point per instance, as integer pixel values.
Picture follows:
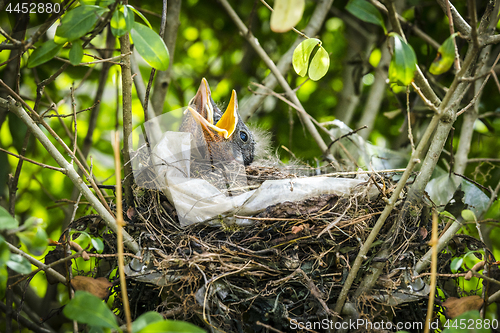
(216, 190)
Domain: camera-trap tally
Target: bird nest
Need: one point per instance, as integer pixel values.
(286, 266)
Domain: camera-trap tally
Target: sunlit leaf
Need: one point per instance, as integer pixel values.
(365, 11)
(468, 215)
(76, 53)
(122, 21)
(302, 54)
(6, 220)
(145, 319)
(319, 64)
(171, 326)
(444, 58)
(403, 63)
(455, 264)
(19, 264)
(97, 244)
(140, 15)
(150, 46)
(79, 21)
(89, 309)
(44, 53)
(286, 14)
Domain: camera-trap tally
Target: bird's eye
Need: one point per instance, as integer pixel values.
(243, 136)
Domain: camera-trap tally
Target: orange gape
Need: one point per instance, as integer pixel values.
(224, 134)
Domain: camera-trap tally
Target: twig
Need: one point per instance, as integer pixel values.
(34, 162)
(69, 114)
(112, 59)
(408, 117)
(13, 181)
(434, 242)
(452, 31)
(73, 104)
(119, 232)
(346, 135)
(269, 328)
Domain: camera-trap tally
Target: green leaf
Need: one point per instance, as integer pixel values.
(468, 215)
(445, 57)
(145, 319)
(403, 62)
(122, 21)
(302, 54)
(150, 46)
(76, 53)
(19, 264)
(319, 64)
(97, 244)
(79, 21)
(455, 264)
(6, 220)
(171, 326)
(365, 11)
(286, 14)
(44, 53)
(141, 16)
(89, 309)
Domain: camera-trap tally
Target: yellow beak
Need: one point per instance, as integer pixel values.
(226, 125)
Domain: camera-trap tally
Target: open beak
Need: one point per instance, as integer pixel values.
(202, 101)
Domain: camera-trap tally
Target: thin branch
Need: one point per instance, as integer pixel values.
(21, 157)
(13, 181)
(452, 31)
(112, 59)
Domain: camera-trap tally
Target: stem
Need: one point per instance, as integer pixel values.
(127, 119)
(119, 234)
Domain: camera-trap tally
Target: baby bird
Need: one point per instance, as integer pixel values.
(224, 134)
